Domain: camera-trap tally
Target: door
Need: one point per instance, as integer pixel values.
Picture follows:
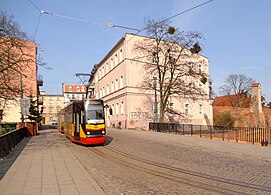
(76, 126)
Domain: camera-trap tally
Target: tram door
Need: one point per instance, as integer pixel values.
(76, 126)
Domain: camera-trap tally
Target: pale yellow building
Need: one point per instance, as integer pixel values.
(116, 80)
(52, 104)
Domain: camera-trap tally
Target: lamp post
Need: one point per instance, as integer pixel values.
(155, 109)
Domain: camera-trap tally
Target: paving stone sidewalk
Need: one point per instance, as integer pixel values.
(46, 166)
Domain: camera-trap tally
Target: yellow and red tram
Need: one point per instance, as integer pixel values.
(84, 121)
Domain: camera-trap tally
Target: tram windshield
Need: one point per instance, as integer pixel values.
(94, 113)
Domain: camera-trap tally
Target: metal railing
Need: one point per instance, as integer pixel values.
(10, 140)
(244, 134)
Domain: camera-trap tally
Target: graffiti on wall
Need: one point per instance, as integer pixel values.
(138, 115)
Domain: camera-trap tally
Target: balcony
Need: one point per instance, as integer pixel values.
(39, 80)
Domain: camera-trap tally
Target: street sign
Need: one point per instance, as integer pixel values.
(25, 105)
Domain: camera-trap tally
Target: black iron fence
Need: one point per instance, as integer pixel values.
(244, 134)
(11, 139)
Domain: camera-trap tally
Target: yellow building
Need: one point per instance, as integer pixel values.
(52, 104)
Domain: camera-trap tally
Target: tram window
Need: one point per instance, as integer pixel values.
(94, 112)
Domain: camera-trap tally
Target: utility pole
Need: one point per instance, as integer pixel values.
(22, 95)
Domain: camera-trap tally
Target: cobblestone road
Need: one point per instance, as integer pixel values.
(140, 162)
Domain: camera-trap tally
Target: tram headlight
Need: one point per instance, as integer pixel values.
(103, 132)
(88, 133)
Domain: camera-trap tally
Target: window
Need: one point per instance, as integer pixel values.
(100, 74)
(200, 88)
(186, 108)
(112, 87)
(117, 85)
(51, 103)
(121, 55)
(73, 97)
(83, 89)
(111, 63)
(102, 71)
(78, 89)
(112, 107)
(106, 68)
(200, 109)
(121, 82)
(190, 67)
(116, 59)
(107, 89)
(58, 102)
(200, 69)
(122, 108)
(70, 88)
(103, 91)
(117, 108)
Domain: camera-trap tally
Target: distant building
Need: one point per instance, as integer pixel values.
(116, 80)
(52, 104)
(247, 110)
(73, 92)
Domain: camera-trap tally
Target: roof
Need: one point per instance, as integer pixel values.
(232, 100)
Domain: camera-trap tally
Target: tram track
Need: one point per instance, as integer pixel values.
(210, 183)
(205, 176)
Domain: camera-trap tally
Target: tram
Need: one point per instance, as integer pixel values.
(60, 124)
(84, 122)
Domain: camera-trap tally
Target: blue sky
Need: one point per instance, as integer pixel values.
(237, 34)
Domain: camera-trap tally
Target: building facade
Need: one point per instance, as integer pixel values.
(23, 78)
(73, 92)
(117, 79)
(52, 104)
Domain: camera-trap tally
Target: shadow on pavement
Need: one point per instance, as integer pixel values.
(6, 163)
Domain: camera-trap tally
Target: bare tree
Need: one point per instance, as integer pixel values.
(172, 57)
(238, 88)
(14, 57)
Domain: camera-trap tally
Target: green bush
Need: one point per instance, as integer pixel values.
(224, 119)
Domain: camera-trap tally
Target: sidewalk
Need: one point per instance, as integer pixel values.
(45, 166)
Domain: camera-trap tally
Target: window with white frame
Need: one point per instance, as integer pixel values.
(122, 108)
(111, 64)
(116, 85)
(83, 89)
(116, 59)
(106, 68)
(112, 87)
(78, 89)
(113, 109)
(102, 71)
(200, 68)
(121, 55)
(200, 108)
(107, 89)
(200, 88)
(103, 91)
(70, 88)
(121, 82)
(117, 108)
(186, 108)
